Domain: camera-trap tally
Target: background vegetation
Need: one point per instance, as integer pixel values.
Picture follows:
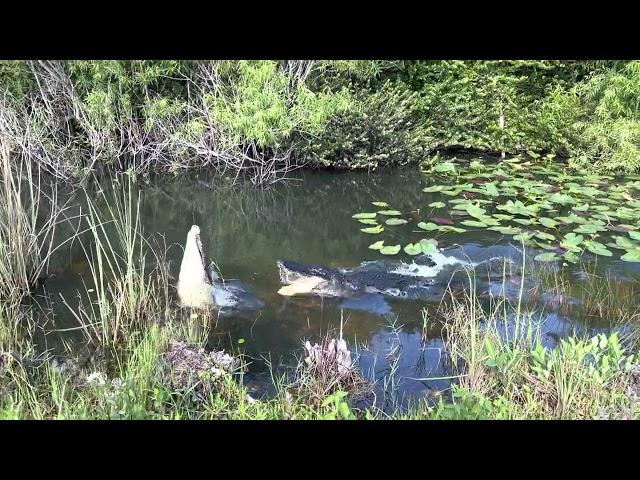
(263, 118)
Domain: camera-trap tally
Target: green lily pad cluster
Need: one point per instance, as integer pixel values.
(535, 203)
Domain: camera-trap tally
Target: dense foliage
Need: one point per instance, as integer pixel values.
(263, 117)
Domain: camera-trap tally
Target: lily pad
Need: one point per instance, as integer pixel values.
(380, 204)
(377, 245)
(449, 228)
(506, 230)
(561, 198)
(545, 236)
(429, 245)
(433, 189)
(445, 167)
(631, 255)
(396, 221)
(364, 215)
(413, 249)
(570, 257)
(546, 257)
(373, 230)
(368, 221)
(571, 241)
(597, 248)
(390, 213)
(427, 226)
(437, 204)
(390, 250)
(548, 222)
(474, 223)
(588, 229)
(523, 221)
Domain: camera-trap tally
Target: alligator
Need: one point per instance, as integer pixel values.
(370, 277)
(200, 286)
(365, 287)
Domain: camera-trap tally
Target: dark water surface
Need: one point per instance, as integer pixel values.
(247, 230)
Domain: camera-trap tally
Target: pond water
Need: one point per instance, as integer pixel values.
(247, 230)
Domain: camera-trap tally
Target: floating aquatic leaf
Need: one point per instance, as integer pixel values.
(571, 241)
(561, 198)
(390, 213)
(474, 223)
(445, 167)
(396, 221)
(597, 248)
(413, 249)
(545, 236)
(437, 204)
(461, 205)
(571, 218)
(624, 243)
(523, 221)
(631, 255)
(433, 189)
(546, 257)
(390, 250)
(519, 208)
(607, 216)
(490, 189)
(502, 216)
(452, 193)
(490, 221)
(634, 235)
(626, 213)
(545, 246)
(523, 237)
(570, 257)
(373, 230)
(427, 226)
(506, 230)
(581, 208)
(588, 229)
(475, 211)
(449, 228)
(364, 215)
(429, 245)
(377, 245)
(548, 222)
(380, 204)
(240, 341)
(368, 221)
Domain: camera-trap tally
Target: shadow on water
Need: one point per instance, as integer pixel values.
(247, 230)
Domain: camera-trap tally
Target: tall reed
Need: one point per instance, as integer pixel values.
(124, 296)
(28, 220)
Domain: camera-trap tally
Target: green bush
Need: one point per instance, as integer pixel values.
(381, 128)
(338, 113)
(609, 129)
